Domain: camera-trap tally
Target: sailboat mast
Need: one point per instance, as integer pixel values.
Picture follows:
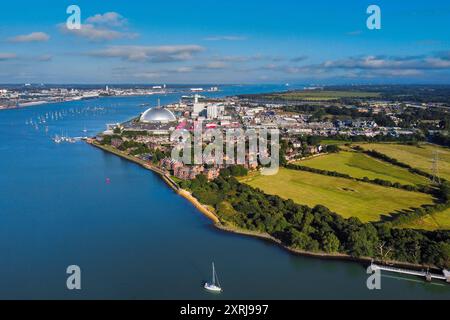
(214, 275)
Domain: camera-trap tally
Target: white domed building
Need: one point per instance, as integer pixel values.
(155, 121)
(158, 115)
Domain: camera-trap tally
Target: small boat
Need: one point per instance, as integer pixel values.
(57, 139)
(214, 285)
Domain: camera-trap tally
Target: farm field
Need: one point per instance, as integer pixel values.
(419, 157)
(360, 165)
(348, 198)
(436, 221)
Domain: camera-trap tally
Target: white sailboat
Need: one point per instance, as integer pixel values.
(214, 285)
(57, 139)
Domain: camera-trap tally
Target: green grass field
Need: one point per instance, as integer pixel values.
(343, 196)
(321, 95)
(359, 165)
(417, 157)
(437, 221)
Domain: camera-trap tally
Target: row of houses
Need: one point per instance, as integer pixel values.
(185, 172)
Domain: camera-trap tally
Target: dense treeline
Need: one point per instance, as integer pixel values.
(380, 182)
(412, 93)
(427, 119)
(135, 148)
(409, 139)
(410, 216)
(442, 139)
(317, 229)
(133, 134)
(319, 113)
(442, 203)
(393, 161)
(234, 171)
(441, 193)
(106, 139)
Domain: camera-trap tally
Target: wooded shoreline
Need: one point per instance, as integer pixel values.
(232, 229)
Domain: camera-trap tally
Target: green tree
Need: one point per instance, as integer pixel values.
(299, 239)
(330, 243)
(333, 148)
(362, 241)
(445, 255)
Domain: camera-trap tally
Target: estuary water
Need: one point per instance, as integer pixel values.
(131, 235)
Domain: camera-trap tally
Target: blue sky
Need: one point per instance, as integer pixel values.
(318, 42)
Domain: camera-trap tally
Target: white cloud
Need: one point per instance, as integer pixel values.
(101, 27)
(225, 38)
(7, 56)
(45, 57)
(383, 62)
(401, 73)
(249, 58)
(94, 33)
(438, 63)
(299, 58)
(112, 19)
(184, 70)
(32, 37)
(147, 75)
(234, 58)
(150, 53)
(213, 65)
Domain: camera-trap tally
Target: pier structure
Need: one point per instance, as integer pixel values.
(424, 274)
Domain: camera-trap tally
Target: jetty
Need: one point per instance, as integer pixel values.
(424, 274)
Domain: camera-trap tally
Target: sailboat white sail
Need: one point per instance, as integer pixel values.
(214, 285)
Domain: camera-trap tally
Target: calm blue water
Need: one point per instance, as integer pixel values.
(134, 238)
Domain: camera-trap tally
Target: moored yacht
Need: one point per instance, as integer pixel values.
(214, 285)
